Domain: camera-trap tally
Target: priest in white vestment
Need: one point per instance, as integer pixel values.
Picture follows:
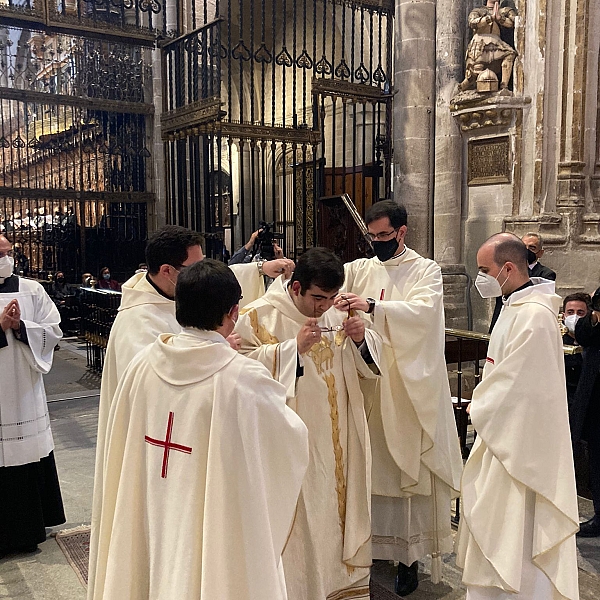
(416, 454)
(148, 309)
(30, 498)
(203, 463)
(320, 359)
(519, 503)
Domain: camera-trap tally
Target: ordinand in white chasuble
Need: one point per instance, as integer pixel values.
(328, 555)
(519, 502)
(416, 455)
(143, 314)
(203, 467)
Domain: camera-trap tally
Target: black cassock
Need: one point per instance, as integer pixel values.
(30, 498)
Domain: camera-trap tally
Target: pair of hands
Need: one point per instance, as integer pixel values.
(11, 316)
(310, 333)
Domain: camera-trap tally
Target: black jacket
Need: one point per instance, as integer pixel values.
(540, 270)
(584, 413)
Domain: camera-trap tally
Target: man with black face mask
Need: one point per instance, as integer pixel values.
(416, 456)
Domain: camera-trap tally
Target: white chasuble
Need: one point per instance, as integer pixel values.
(519, 503)
(328, 554)
(250, 280)
(416, 455)
(143, 314)
(25, 435)
(203, 467)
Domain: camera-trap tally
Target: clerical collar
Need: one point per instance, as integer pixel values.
(529, 283)
(533, 265)
(157, 288)
(399, 253)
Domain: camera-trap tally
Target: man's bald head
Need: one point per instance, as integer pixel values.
(507, 247)
(504, 252)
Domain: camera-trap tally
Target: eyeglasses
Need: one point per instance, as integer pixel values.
(9, 253)
(380, 236)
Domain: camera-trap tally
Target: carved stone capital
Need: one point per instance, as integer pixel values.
(475, 111)
(571, 184)
(590, 229)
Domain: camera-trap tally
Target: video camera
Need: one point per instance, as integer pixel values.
(265, 240)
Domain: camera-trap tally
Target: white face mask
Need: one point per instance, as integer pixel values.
(7, 265)
(488, 286)
(570, 323)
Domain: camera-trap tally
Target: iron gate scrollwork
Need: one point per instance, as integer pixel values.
(292, 100)
(76, 111)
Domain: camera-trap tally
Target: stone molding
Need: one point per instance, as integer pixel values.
(551, 226)
(476, 111)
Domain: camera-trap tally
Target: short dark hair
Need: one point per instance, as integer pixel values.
(169, 246)
(510, 248)
(578, 297)
(320, 267)
(395, 212)
(205, 292)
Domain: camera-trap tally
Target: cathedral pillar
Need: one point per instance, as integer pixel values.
(447, 196)
(414, 117)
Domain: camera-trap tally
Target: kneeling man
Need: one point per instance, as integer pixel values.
(318, 356)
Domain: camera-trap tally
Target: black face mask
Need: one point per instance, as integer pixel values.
(60, 279)
(385, 250)
(531, 257)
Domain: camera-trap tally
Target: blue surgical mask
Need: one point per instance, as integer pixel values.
(106, 276)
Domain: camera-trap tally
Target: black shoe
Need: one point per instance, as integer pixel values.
(590, 528)
(407, 579)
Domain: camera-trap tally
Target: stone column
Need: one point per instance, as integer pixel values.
(414, 106)
(571, 175)
(450, 54)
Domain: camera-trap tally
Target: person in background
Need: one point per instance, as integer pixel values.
(62, 295)
(575, 306)
(142, 268)
(21, 261)
(585, 412)
(105, 282)
(535, 247)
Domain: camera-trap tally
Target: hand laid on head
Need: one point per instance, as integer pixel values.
(355, 329)
(274, 268)
(348, 301)
(308, 336)
(235, 340)
(11, 316)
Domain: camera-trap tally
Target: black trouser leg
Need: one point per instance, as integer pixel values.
(594, 458)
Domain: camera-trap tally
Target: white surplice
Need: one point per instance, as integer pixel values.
(519, 502)
(25, 435)
(209, 516)
(416, 455)
(143, 314)
(328, 554)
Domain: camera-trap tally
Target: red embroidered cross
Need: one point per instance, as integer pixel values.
(168, 446)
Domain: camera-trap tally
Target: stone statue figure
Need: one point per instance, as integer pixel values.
(492, 25)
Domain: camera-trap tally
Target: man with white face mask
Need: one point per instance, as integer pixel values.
(30, 498)
(519, 504)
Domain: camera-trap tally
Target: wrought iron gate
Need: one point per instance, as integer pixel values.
(75, 131)
(271, 104)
